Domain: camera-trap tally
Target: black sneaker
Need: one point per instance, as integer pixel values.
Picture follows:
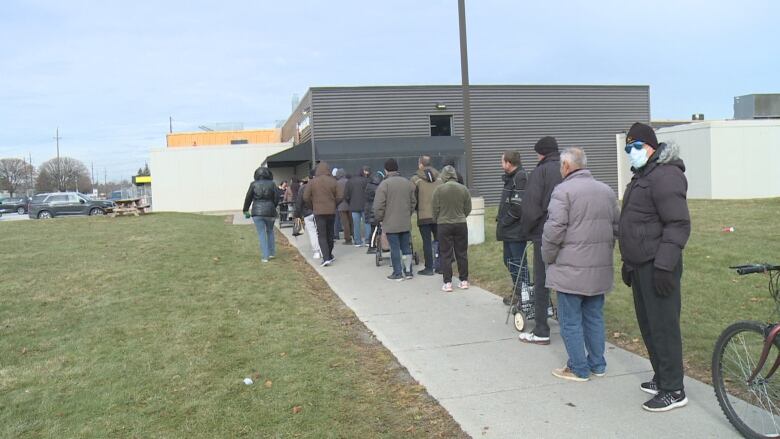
(426, 272)
(650, 387)
(396, 277)
(408, 274)
(665, 401)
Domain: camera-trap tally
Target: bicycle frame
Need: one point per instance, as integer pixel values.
(768, 342)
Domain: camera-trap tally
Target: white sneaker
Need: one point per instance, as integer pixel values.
(463, 285)
(447, 288)
(263, 260)
(317, 255)
(530, 337)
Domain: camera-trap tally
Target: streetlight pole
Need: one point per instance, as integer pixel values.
(59, 163)
(464, 72)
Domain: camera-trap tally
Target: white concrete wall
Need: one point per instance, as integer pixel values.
(206, 179)
(746, 159)
(694, 141)
(731, 159)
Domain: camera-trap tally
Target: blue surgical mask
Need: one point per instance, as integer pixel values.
(638, 158)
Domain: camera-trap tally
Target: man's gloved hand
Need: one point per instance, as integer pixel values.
(665, 282)
(625, 273)
(247, 215)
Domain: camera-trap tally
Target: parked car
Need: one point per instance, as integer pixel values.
(66, 203)
(14, 205)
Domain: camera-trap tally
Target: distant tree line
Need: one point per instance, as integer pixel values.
(66, 174)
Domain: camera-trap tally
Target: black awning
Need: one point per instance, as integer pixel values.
(298, 154)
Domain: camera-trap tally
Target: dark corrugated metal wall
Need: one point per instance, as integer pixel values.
(515, 117)
(503, 117)
(290, 127)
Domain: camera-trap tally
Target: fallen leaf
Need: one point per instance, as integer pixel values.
(283, 354)
(268, 384)
(616, 335)
(570, 404)
(410, 429)
(216, 259)
(24, 351)
(636, 340)
(256, 376)
(297, 409)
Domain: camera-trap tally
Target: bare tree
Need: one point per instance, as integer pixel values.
(68, 174)
(14, 174)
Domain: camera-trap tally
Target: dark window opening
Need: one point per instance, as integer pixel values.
(441, 125)
(239, 142)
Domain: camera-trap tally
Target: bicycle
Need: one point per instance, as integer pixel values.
(741, 375)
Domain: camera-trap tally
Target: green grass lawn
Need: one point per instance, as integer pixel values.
(713, 295)
(146, 327)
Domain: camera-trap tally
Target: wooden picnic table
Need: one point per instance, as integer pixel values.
(131, 206)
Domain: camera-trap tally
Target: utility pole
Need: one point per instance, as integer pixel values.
(464, 71)
(170, 124)
(92, 178)
(32, 187)
(105, 177)
(59, 164)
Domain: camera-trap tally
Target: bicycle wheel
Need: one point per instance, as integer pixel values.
(752, 408)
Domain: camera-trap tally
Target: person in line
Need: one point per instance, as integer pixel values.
(323, 195)
(451, 206)
(304, 210)
(355, 196)
(345, 215)
(654, 227)
(393, 207)
(541, 183)
(510, 212)
(263, 196)
(450, 161)
(368, 211)
(578, 244)
(425, 181)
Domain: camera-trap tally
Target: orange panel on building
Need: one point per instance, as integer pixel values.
(214, 138)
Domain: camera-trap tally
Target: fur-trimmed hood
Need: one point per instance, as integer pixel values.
(669, 154)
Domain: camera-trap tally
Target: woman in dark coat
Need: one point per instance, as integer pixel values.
(368, 211)
(263, 195)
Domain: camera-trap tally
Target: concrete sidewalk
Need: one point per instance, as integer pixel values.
(494, 386)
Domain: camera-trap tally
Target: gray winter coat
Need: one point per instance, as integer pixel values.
(579, 235)
(394, 203)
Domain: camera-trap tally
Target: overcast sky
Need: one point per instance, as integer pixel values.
(110, 73)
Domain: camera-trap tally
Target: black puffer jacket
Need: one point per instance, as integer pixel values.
(510, 211)
(355, 193)
(541, 183)
(262, 194)
(371, 187)
(655, 223)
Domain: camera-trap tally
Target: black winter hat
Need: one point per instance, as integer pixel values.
(642, 133)
(391, 165)
(546, 145)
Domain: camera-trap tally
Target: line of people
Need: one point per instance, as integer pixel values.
(571, 219)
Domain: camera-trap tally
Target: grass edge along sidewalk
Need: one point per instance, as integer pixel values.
(146, 327)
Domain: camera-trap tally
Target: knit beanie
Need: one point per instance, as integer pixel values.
(391, 165)
(546, 145)
(640, 132)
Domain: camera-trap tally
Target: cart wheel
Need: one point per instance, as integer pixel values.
(520, 321)
(378, 256)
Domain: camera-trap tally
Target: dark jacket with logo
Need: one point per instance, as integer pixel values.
(655, 223)
(262, 194)
(371, 187)
(510, 211)
(355, 193)
(541, 183)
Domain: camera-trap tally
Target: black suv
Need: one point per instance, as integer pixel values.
(14, 205)
(66, 203)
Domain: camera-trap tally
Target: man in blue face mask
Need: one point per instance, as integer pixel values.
(654, 228)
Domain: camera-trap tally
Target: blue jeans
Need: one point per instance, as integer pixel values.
(357, 222)
(399, 243)
(513, 252)
(582, 328)
(265, 231)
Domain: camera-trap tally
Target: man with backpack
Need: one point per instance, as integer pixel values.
(510, 213)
